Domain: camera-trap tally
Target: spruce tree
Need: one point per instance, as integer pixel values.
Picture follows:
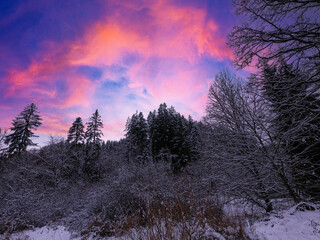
(94, 132)
(76, 134)
(23, 124)
(160, 132)
(137, 136)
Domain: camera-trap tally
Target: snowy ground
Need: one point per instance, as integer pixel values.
(292, 224)
(44, 233)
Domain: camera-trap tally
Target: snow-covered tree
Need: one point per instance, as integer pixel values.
(20, 138)
(242, 144)
(94, 132)
(3, 134)
(76, 132)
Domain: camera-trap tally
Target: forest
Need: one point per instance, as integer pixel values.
(258, 145)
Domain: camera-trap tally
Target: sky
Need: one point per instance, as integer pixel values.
(75, 56)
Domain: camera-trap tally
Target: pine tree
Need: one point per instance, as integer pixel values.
(76, 134)
(23, 124)
(94, 132)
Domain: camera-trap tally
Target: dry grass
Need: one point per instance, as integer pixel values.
(174, 219)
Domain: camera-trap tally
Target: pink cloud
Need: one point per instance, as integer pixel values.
(174, 38)
(172, 32)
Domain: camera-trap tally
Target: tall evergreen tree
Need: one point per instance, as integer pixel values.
(173, 138)
(138, 138)
(93, 147)
(297, 122)
(23, 124)
(161, 132)
(76, 134)
(94, 126)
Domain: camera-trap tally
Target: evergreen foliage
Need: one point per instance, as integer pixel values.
(296, 122)
(76, 134)
(109, 145)
(94, 132)
(173, 137)
(23, 124)
(137, 137)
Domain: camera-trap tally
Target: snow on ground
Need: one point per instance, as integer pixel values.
(61, 233)
(44, 233)
(292, 224)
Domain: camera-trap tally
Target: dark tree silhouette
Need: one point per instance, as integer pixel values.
(137, 137)
(296, 123)
(76, 132)
(23, 124)
(94, 126)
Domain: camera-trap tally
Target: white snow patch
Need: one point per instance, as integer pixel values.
(292, 224)
(45, 233)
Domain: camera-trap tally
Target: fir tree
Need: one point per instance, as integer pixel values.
(23, 124)
(76, 134)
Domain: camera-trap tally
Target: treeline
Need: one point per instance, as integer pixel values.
(166, 135)
(106, 186)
